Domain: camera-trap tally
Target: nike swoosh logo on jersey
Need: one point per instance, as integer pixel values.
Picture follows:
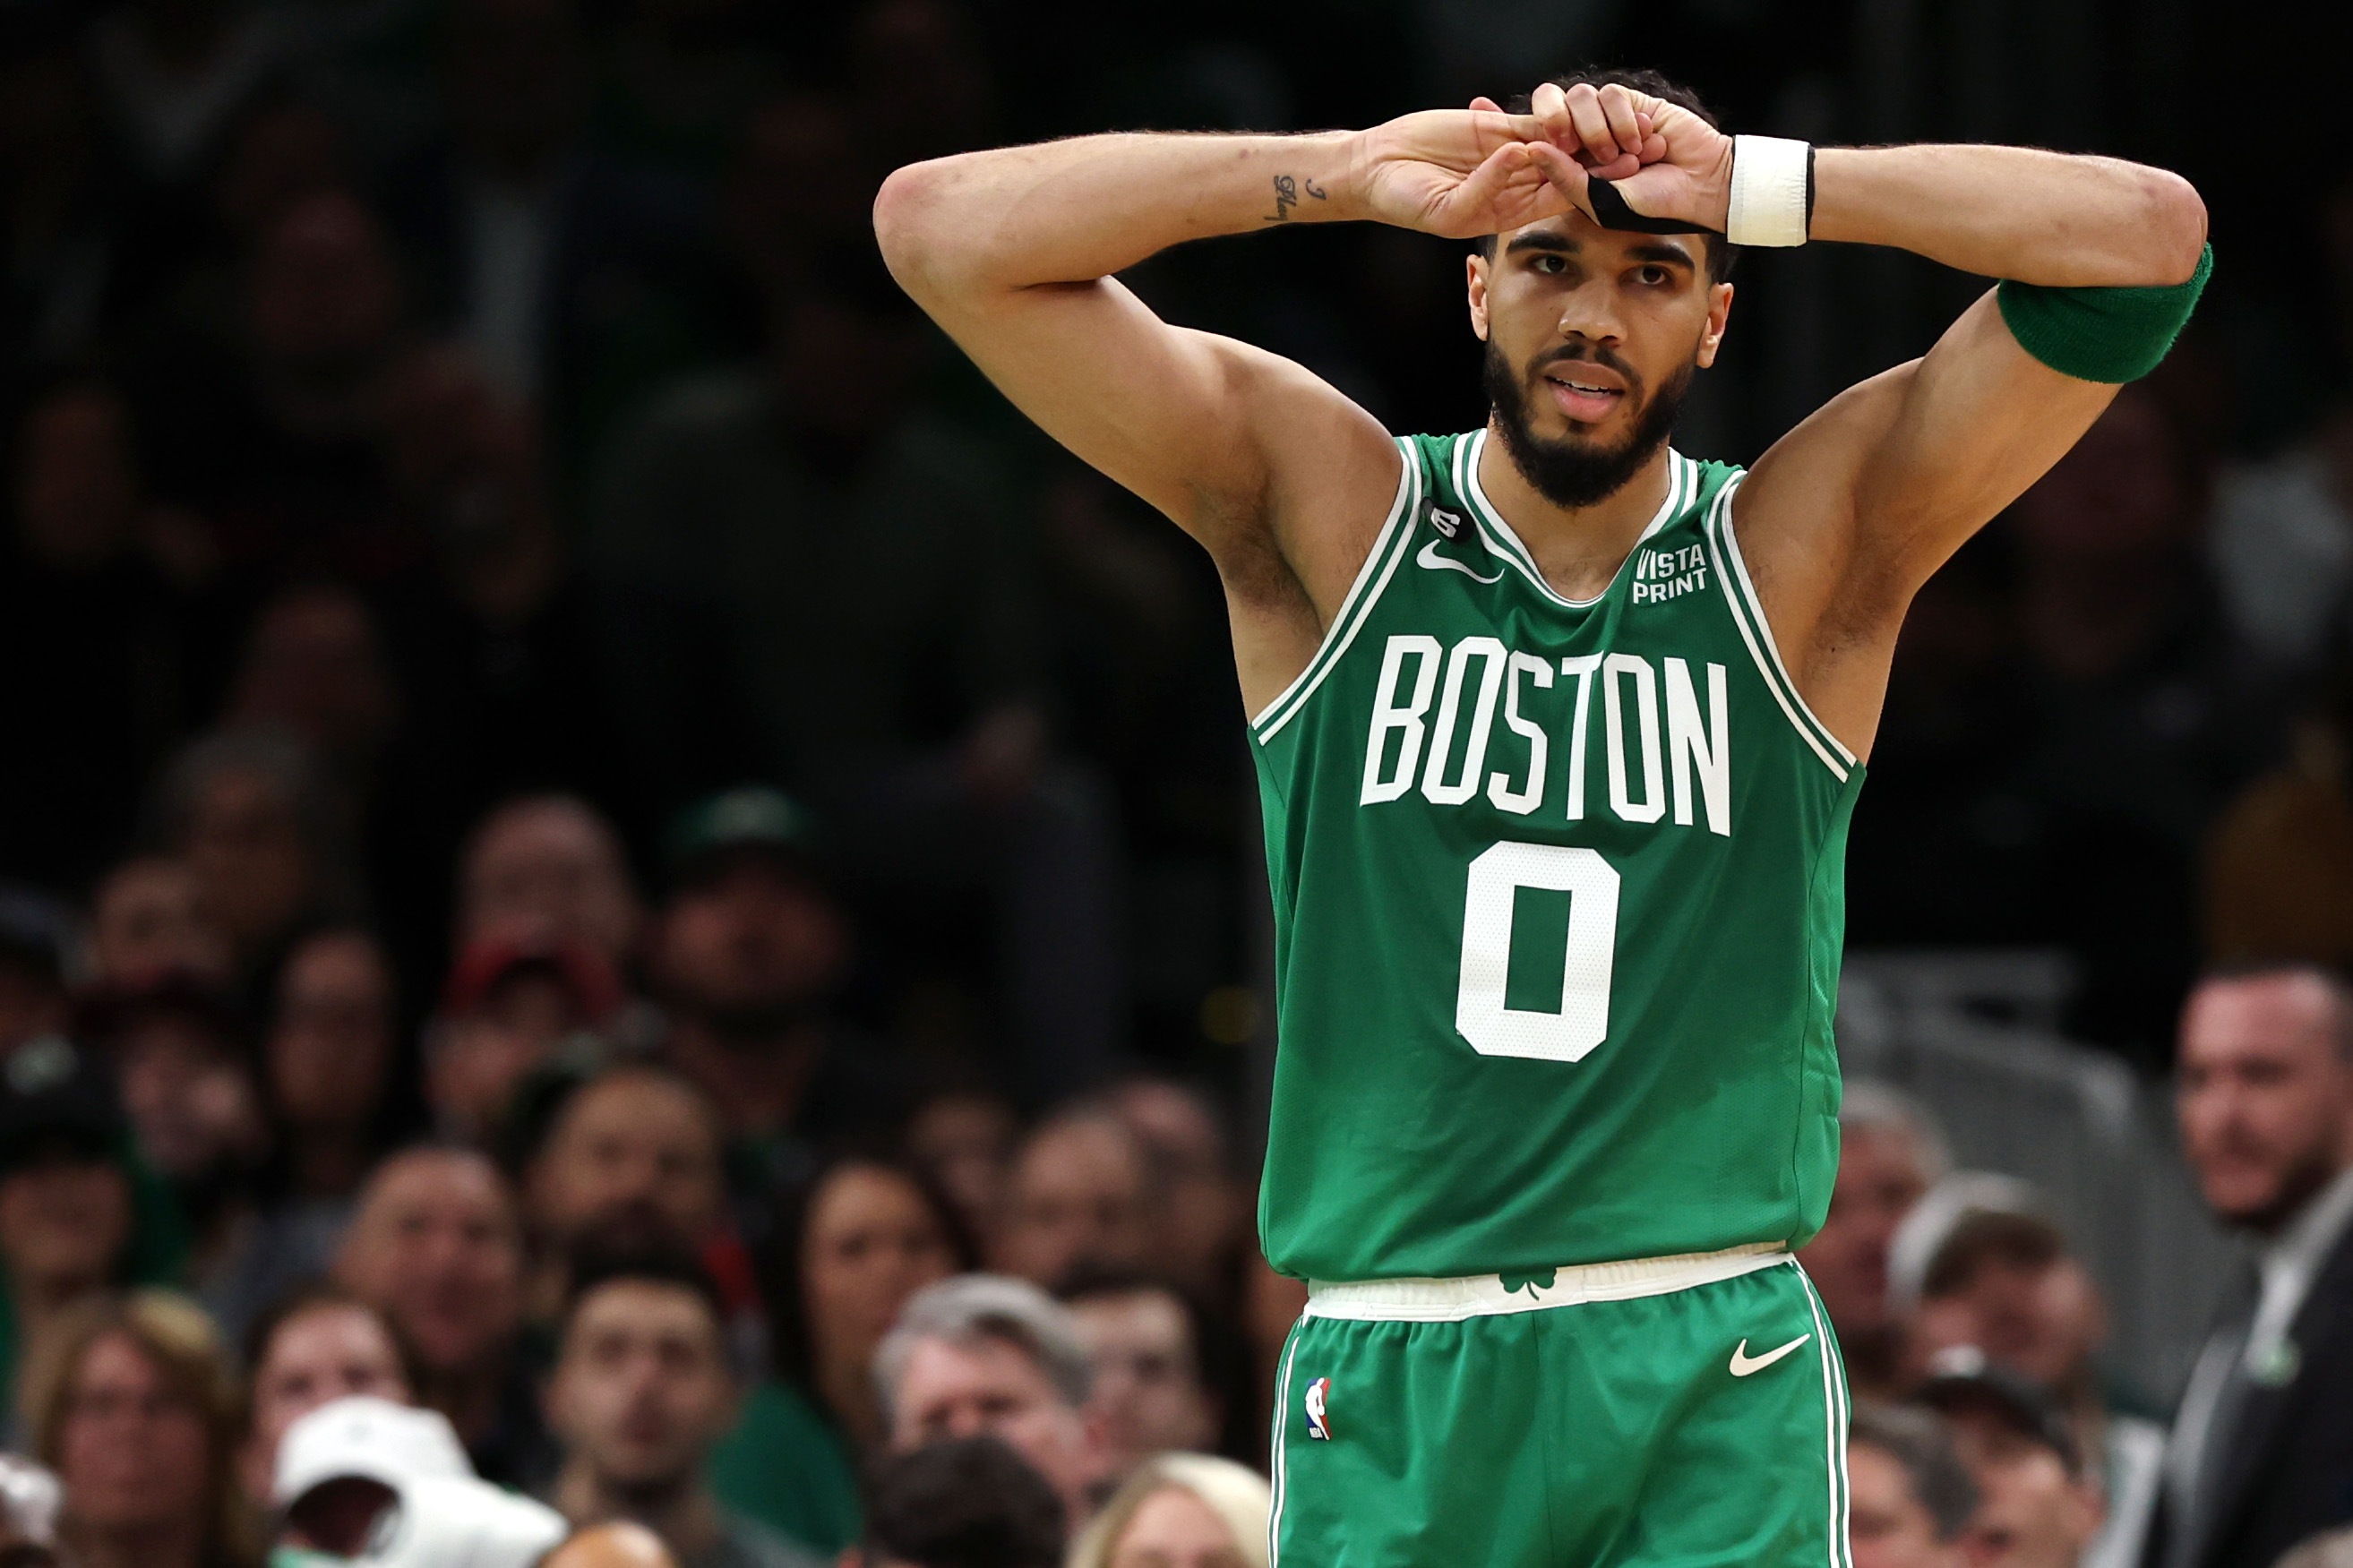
(1437, 562)
(1745, 1365)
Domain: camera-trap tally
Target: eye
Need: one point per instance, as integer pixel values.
(1651, 274)
(1550, 265)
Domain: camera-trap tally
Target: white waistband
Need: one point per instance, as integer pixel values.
(1484, 1295)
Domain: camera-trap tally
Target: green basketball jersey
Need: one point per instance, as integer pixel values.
(1558, 900)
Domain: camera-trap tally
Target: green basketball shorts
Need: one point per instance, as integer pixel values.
(1669, 1412)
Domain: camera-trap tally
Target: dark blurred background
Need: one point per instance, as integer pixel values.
(488, 549)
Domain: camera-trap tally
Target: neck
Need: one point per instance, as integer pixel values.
(40, 1298)
(468, 1397)
(680, 1510)
(1579, 549)
(758, 1084)
(328, 1161)
(847, 1386)
(176, 1544)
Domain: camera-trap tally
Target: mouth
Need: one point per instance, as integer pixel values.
(1585, 392)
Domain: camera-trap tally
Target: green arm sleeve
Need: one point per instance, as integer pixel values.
(2102, 334)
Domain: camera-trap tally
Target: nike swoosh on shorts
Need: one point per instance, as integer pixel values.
(1743, 1364)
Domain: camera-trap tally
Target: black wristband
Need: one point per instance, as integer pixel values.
(1611, 211)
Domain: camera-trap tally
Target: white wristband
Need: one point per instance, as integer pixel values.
(1771, 181)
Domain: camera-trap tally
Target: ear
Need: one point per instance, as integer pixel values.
(1719, 314)
(1475, 275)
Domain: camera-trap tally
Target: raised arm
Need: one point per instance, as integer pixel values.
(1284, 479)
(1848, 514)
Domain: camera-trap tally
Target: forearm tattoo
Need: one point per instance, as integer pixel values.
(1286, 196)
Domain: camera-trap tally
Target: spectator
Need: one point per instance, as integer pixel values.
(343, 1465)
(1181, 1510)
(275, 434)
(315, 1345)
(964, 1139)
(1890, 1154)
(2262, 1453)
(2036, 1508)
(1152, 1392)
(520, 230)
(1909, 1499)
(507, 1011)
(79, 1212)
(870, 1234)
(328, 1065)
(188, 1084)
(1205, 1212)
(246, 812)
(642, 1388)
(132, 1405)
(313, 666)
(714, 527)
(963, 1502)
(1079, 1196)
(34, 937)
(1979, 1266)
(864, 1235)
(148, 921)
(548, 869)
(983, 1354)
(631, 1162)
(749, 954)
(435, 1245)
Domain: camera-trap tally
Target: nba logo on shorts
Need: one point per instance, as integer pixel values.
(1319, 1424)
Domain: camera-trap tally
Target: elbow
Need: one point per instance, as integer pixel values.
(2174, 224)
(905, 220)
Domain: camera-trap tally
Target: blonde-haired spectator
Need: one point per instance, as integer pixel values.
(1181, 1510)
(130, 1401)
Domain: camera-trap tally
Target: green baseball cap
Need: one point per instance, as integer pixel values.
(750, 817)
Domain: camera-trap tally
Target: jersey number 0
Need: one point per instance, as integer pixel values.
(1582, 1021)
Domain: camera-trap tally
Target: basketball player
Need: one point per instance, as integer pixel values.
(1558, 731)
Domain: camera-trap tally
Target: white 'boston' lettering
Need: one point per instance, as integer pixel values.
(1522, 801)
(1710, 756)
(1582, 666)
(1406, 721)
(1615, 669)
(1434, 784)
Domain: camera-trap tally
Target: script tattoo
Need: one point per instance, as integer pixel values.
(1286, 196)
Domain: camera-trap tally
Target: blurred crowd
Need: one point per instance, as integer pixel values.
(1989, 1428)
(593, 828)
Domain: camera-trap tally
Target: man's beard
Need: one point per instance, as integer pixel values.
(1572, 473)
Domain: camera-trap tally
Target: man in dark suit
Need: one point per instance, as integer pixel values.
(2261, 1452)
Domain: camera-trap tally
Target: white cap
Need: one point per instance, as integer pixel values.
(364, 1435)
(458, 1521)
(30, 1496)
(1934, 1219)
(445, 1516)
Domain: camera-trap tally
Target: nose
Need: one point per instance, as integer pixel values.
(1590, 311)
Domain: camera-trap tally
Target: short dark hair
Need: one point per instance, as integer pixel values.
(595, 1266)
(1721, 252)
(970, 1502)
(1918, 1440)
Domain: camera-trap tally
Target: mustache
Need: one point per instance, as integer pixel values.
(1588, 353)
